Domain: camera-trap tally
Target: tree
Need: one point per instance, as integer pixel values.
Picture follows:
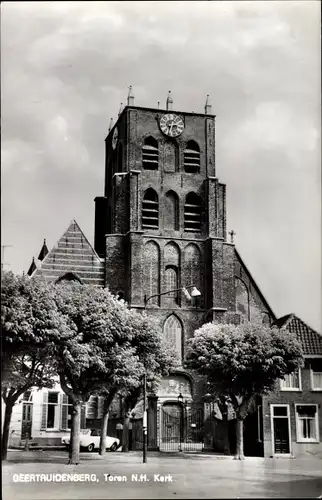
(28, 317)
(157, 358)
(242, 362)
(90, 349)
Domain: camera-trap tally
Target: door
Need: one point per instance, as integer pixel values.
(26, 420)
(281, 429)
(182, 427)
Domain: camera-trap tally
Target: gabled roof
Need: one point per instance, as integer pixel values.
(73, 255)
(310, 340)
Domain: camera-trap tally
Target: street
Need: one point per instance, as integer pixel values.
(29, 476)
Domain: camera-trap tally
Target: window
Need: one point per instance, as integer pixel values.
(66, 413)
(150, 154)
(171, 214)
(315, 366)
(171, 279)
(191, 157)
(291, 382)
(57, 412)
(27, 397)
(150, 210)
(68, 277)
(193, 271)
(173, 333)
(307, 423)
(152, 272)
(192, 212)
(316, 381)
(52, 411)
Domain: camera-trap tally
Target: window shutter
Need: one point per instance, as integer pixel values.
(64, 412)
(83, 417)
(44, 411)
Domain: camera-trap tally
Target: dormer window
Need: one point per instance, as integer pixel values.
(191, 158)
(192, 212)
(150, 210)
(150, 154)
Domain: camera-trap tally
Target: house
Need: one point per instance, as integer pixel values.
(292, 414)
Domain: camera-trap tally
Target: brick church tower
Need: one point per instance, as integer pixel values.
(161, 225)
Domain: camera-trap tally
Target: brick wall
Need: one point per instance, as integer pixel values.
(306, 395)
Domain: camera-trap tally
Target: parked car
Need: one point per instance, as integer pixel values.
(90, 440)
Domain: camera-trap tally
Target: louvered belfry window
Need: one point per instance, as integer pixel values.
(192, 212)
(150, 154)
(150, 210)
(191, 158)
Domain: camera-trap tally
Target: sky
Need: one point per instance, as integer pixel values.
(67, 66)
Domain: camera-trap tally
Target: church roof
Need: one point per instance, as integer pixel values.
(241, 269)
(310, 340)
(73, 256)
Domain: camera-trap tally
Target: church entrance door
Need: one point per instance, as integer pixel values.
(181, 427)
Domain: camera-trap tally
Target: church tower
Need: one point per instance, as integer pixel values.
(161, 226)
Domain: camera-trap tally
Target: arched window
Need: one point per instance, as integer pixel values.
(171, 214)
(191, 158)
(192, 266)
(150, 154)
(69, 277)
(171, 283)
(152, 272)
(150, 210)
(192, 212)
(173, 333)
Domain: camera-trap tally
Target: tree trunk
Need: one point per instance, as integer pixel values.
(6, 428)
(104, 424)
(125, 434)
(75, 433)
(226, 434)
(239, 440)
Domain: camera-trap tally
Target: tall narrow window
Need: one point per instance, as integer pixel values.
(150, 154)
(152, 272)
(171, 280)
(192, 212)
(171, 214)
(193, 267)
(191, 158)
(173, 333)
(53, 417)
(150, 210)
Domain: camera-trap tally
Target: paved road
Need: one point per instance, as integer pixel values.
(119, 475)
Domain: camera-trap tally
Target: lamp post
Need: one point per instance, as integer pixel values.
(193, 295)
(180, 400)
(145, 420)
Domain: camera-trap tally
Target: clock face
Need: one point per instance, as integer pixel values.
(115, 138)
(171, 125)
